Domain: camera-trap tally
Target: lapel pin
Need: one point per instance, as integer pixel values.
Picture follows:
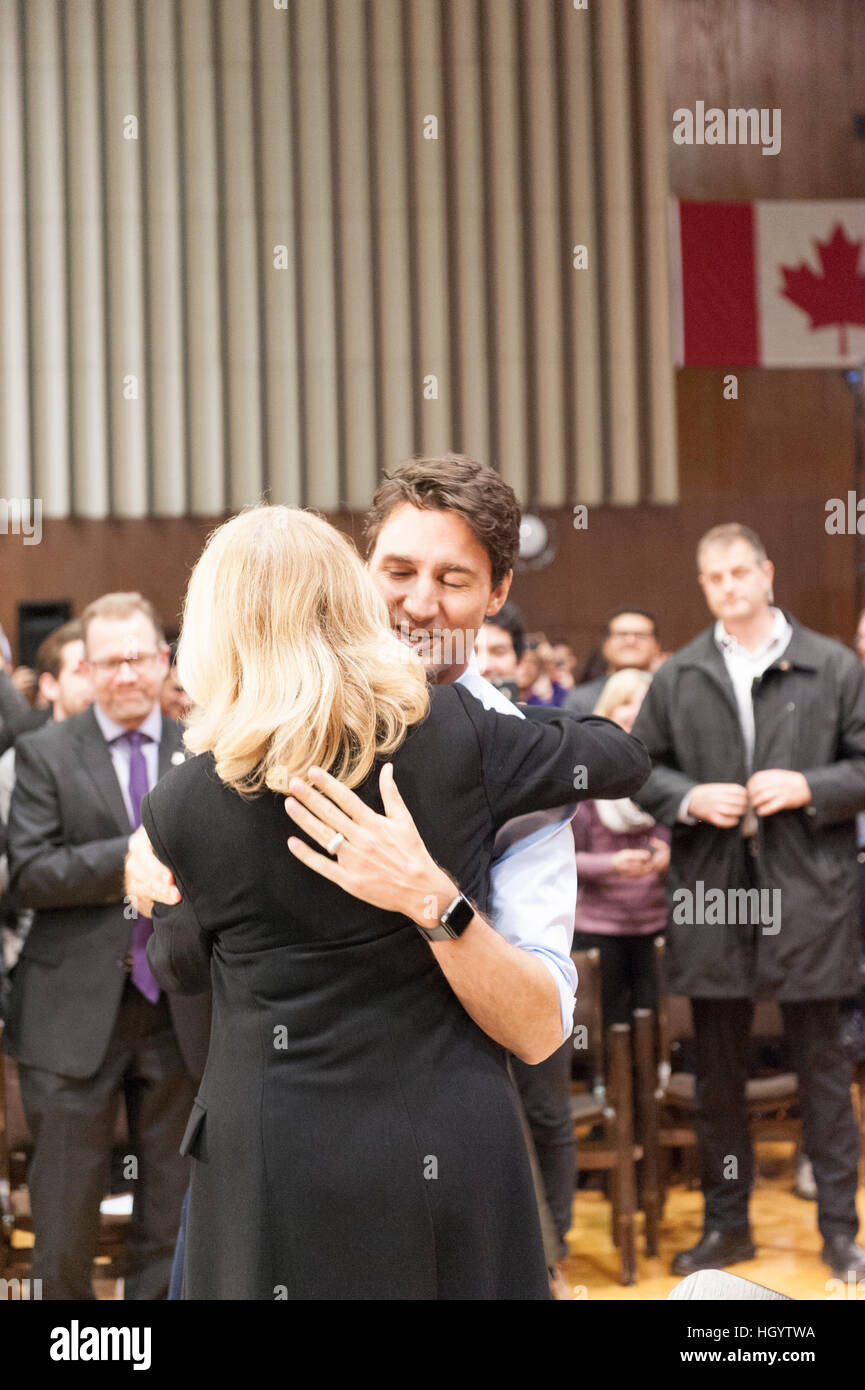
(177, 758)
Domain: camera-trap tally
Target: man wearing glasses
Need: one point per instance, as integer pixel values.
(87, 1021)
(631, 640)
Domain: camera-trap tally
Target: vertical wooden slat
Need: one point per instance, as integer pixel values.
(85, 214)
(46, 233)
(506, 246)
(126, 267)
(658, 353)
(584, 389)
(202, 301)
(281, 365)
(464, 147)
(404, 256)
(14, 336)
(241, 247)
(547, 253)
(620, 367)
(355, 252)
(165, 299)
(430, 200)
(394, 359)
(321, 446)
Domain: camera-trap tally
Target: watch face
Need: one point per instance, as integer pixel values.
(459, 916)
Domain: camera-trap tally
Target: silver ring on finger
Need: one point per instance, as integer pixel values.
(335, 843)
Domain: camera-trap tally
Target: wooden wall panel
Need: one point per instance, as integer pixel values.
(806, 57)
(770, 460)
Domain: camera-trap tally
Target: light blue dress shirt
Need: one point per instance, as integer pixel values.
(120, 752)
(533, 879)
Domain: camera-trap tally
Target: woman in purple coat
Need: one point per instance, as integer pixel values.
(622, 857)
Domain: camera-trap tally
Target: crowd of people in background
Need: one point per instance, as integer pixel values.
(733, 723)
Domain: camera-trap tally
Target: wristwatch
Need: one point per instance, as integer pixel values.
(452, 922)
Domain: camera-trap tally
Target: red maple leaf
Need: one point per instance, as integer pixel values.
(836, 296)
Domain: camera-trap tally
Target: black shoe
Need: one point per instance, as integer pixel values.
(844, 1257)
(714, 1251)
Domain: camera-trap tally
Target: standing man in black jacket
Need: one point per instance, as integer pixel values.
(87, 1021)
(756, 731)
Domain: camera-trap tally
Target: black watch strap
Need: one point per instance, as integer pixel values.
(452, 922)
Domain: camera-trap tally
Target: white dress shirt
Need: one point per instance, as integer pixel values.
(120, 752)
(13, 936)
(744, 666)
(533, 878)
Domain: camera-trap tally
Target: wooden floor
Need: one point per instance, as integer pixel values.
(784, 1227)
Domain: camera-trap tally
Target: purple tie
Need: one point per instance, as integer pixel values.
(139, 786)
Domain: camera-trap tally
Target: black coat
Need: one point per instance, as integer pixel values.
(356, 1134)
(68, 836)
(583, 698)
(809, 715)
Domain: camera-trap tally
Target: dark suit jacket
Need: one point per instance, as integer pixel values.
(809, 716)
(68, 836)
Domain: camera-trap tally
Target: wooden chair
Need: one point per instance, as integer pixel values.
(15, 1150)
(649, 1095)
(609, 1104)
(7, 1216)
(859, 1083)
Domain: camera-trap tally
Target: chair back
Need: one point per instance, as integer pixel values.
(588, 1027)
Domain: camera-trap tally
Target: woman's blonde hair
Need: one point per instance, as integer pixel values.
(619, 689)
(289, 657)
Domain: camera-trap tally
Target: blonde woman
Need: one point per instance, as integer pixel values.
(622, 859)
(355, 1133)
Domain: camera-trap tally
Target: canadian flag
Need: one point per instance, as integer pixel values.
(772, 284)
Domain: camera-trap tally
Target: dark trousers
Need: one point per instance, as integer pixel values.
(629, 975)
(722, 1030)
(72, 1124)
(545, 1091)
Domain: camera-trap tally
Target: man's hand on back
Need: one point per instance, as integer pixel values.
(147, 880)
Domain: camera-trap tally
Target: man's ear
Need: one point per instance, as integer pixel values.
(499, 594)
(48, 687)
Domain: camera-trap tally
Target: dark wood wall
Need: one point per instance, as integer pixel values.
(771, 459)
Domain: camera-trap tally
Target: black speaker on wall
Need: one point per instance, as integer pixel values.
(35, 621)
